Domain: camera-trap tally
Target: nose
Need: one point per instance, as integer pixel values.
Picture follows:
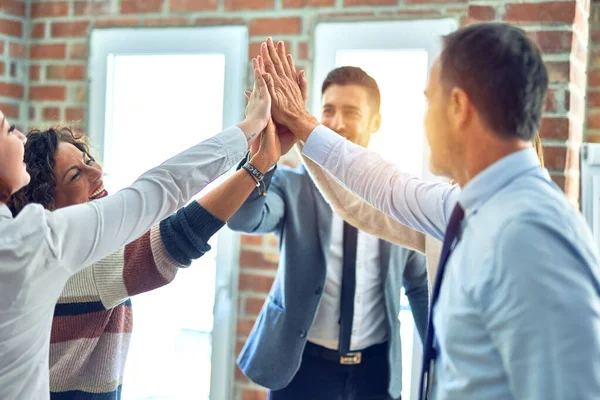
(21, 137)
(338, 122)
(94, 172)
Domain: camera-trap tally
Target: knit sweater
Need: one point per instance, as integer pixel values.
(93, 317)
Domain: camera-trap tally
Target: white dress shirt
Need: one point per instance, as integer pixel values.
(40, 250)
(369, 322)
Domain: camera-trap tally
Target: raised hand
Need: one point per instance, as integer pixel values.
(258, 109)
(269, 149)
(288, 105)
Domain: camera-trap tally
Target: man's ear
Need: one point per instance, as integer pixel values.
(375, 123)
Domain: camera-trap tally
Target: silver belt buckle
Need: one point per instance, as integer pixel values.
(351, 359)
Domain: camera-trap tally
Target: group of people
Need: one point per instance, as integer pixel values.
(501, 272)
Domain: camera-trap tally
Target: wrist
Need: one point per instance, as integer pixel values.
(260, 163)
(251, 129)
(302, 125)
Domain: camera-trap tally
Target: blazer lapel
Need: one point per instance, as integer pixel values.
(324, 216)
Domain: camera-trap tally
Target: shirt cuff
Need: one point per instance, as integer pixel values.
(321, 143)
(235, 143)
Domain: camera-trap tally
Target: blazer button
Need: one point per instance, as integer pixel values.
(302, 333)
(318, 290)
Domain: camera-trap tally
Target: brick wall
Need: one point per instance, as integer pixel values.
(13, 68)
(593, 94)
(51, 38)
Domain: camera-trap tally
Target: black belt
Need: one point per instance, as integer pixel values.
(352, 358)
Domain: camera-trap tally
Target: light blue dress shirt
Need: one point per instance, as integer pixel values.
(518, 316)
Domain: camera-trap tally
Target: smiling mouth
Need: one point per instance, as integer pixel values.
(99, 193)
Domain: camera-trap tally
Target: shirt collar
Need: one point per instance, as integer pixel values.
(5, 211)
(493, 178)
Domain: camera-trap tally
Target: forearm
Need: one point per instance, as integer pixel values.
(361, 214)
(420, 205)
(227, 198)
(118, 219)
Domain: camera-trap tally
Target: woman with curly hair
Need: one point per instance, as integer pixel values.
(41, 249)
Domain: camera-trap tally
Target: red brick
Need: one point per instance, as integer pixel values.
(239, 376)
(11, 28)
(166, 21)
(92, 7)
(254, 48)
(13, 7)
(308, 3)
(252, 240)
(34, 72)
(594, 58)
(11, 90)
(554, 12)
(1, 47)
(558, 71)
(68, 72)
(47, 51)
(116, 22)
(49, 92)
(255, 283)
(275, 26)
(141, 6)
(561, 158)
(2, 68)
(482, 13)
(594, 78)
(302, 51)
(251, 258)
(595, 35)
(244, 326)
(238, 346)
(553, 41)
(74, 114)
(593, 99)
(51, 113)
(78, 51)
(254, 394)
(31, 113)
(551, 101)
(17, 50)
(10, 110)
(52, 9)
(559, 180)
(69, 29)
(554, 128)
(219, 21)
(38, 30)
(593, 119)
(193, 5)
(253, 305)
(351, 3)
(236, 5)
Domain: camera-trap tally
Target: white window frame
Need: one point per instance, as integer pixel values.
(232, 41)
(380, 35)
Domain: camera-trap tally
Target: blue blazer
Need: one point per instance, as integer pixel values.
(296, 212)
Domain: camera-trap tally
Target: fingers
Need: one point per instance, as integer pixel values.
(270, 84)
(303, 83)
(259, 81)
(247, 93)
(287, 69)
(272, 59)
(290, 61)
(261, 64)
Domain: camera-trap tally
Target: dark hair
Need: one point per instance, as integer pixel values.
(40, 150)
(354, 76)
(502, 72)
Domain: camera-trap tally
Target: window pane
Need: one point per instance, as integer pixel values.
(401, 76)
(158, 105)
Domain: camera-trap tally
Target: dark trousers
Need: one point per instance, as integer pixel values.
(323, 379)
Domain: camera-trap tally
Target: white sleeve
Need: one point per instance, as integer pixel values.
(80, 235)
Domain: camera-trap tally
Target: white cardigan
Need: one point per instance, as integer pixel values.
(40, 250)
